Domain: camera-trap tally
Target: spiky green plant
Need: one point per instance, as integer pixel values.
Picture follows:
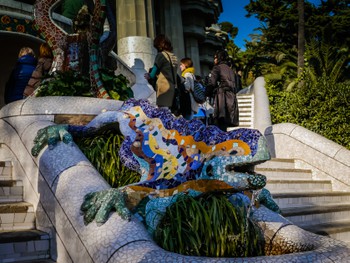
(102, 151)
(208, 225)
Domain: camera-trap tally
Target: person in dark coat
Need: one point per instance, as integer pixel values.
(20, 75)
(164, 71)
(221, 86)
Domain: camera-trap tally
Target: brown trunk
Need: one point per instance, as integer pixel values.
(301, 36)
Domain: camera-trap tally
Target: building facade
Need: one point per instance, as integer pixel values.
(137, 23)
(183, 21)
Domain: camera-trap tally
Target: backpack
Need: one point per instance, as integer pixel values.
(198, 91)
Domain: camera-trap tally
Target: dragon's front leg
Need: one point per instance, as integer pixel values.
(98, 205)
(50, 136)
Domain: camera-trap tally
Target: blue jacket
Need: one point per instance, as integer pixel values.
(19, 78)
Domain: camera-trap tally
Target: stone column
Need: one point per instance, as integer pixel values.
(138, 53)
(135, 33)
(192, 51)
(171, 25)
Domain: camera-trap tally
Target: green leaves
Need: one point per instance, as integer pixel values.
(102, 151)
(67, 83)
(208, 225)
(321, 106)
(71, 83)
(117, 86)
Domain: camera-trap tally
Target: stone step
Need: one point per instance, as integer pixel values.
(278, 163)
(245, 109)
(245, 119)
(245, 103)
(245, 106)
(16, 216)
(245, 114)
(244, 96)
(5, 170)
(24, 246)
(243, 125)
(307, 216)
(11, 191)
(338, 230)
(284, 173)
(277, 186)
(285, 200)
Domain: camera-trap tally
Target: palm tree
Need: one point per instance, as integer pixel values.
(323, 59)
(301, 38)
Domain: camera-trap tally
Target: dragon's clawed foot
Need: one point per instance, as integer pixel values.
(50, 136)
(98, 205)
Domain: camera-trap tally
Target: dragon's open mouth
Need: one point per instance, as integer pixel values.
(245, 168)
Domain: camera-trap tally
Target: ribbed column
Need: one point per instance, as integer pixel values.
(134, 18)
(138, 53)
(171, 24)
(135, 33)
(192, 51)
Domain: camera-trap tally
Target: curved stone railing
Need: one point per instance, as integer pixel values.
(57, 181)
(288, 140)
(310, 150)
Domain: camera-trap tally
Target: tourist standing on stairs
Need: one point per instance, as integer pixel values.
(42, 69)
(188, 77)
(20, 75)
(164, 71)
(221, 86)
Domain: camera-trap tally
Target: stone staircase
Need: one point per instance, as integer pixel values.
(307, 202)
(19, 240)
(246, 110)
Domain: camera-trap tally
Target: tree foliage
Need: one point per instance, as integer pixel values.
(321, 107)
(278, 37)
(321, 102)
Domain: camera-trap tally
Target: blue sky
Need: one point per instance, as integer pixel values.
(234, 12)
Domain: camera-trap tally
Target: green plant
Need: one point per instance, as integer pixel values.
(117, 86)
(72, 83)
(102, 151)
(67, 83)
(208, 225)
(321, 106)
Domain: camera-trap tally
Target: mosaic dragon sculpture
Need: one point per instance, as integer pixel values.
(173, 156)
(67, 48)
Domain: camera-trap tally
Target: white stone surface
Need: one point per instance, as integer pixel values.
(139, 53)
(291, 141)
(60, 184)
(262, 117)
